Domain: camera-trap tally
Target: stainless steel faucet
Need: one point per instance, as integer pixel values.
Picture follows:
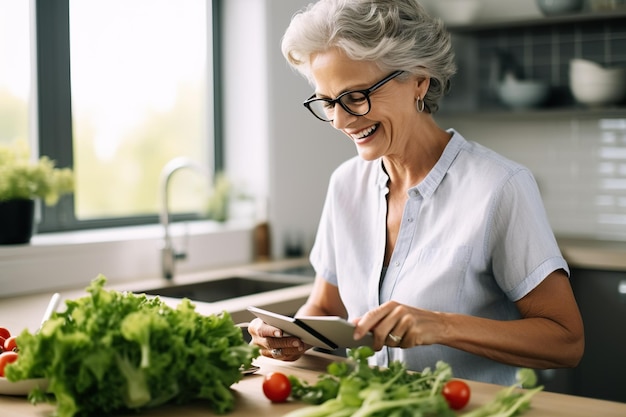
(169, 255)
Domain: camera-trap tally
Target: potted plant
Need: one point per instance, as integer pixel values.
(22, 181)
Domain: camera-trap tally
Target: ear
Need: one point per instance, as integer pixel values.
(421, 86)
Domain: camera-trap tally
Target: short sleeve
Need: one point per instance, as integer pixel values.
(523, 247)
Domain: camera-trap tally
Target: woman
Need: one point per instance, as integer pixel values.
(438, 246)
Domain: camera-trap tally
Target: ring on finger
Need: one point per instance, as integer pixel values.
(276, 353)
(396, 339)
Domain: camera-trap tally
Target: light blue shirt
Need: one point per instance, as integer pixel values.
(474, 239)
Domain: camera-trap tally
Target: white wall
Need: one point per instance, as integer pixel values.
(301, 152)
(304, 150)
(245, 94)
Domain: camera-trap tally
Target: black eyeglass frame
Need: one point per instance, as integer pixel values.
(366, 92)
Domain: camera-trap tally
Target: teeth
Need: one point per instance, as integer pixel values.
(365, 132)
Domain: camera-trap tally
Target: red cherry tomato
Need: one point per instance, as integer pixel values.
(456, 393)
(276, 387)
(4, 335)
(10, 344)
(5, 359)
(4, 332)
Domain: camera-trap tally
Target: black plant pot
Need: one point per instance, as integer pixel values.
(16, 221)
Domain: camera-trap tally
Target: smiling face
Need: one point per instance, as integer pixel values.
(392, 120)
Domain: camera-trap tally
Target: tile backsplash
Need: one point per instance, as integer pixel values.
(579, 164)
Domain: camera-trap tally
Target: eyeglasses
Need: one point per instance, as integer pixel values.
(356, 102)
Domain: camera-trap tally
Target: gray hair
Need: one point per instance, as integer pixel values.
(395, 34)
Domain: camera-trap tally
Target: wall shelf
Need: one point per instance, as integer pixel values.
(588, 16)
(539, 48)
(536, 114)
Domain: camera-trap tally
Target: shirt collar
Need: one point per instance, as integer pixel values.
(427, 187)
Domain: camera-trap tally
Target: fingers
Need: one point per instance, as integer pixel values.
(374, 321)
(259, 329)
(394, 338)
(389, 324)
(284, 348)
(289, 353)
(273, 343)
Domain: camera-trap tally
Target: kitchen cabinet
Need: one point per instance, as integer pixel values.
(541, 49)
(601, 297)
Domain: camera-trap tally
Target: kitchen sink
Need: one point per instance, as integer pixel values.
(300, 270)
(229, 287)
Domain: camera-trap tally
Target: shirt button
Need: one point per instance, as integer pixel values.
(410, 219)
(397, 263)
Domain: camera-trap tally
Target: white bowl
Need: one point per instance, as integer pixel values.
(585, 69)
(557, 7)
(594, 85)
(598, 92)
(523, 94)
(454, 11)
(585, 65)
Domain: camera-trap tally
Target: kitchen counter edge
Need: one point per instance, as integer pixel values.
(590, 253)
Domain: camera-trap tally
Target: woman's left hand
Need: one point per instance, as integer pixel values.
(398, 325)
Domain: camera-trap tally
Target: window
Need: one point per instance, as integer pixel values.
(123, 86)
(14, 78)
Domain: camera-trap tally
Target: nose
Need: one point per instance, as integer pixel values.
(342, 117)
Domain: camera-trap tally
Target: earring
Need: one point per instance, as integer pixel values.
(419, 104)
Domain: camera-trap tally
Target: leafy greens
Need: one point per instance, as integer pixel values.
(112, 351)
(354, 389)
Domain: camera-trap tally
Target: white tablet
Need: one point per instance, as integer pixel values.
(328, 332)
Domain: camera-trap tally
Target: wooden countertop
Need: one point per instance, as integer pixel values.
(593, 254)
(251, 401)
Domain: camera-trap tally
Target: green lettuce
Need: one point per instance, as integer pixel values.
(112, 351)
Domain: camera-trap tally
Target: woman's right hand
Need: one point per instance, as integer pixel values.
(273, 343)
